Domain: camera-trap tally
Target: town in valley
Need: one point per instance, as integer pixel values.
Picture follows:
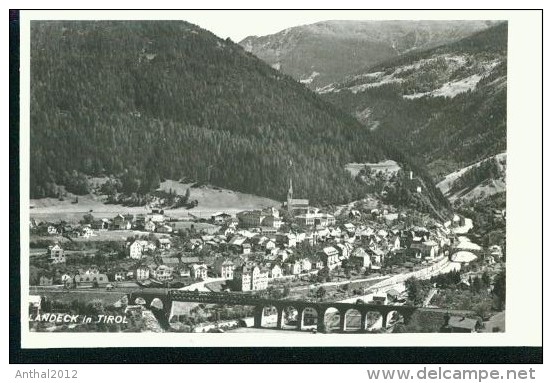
(181, 182)
(365, 253)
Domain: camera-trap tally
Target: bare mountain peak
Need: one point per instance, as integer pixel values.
(339, 48)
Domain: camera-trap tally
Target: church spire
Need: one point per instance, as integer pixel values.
(290, 190)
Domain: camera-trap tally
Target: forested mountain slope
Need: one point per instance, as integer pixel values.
(329, 51)
(152, 100)
(446, 106)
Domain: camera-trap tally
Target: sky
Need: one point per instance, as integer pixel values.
(238, 24)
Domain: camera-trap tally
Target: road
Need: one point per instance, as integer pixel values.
(429, 296)
(200, 286)
(329, 284)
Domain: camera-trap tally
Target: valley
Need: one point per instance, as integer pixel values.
(358, 163)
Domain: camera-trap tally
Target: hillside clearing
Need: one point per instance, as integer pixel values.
(210, 199)
(383, 166)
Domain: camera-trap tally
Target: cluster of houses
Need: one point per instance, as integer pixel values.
(257, 246)
(154, 221)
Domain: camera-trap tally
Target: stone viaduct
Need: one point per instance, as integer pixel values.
(304, 314)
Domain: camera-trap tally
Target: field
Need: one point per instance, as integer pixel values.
(383, 166)
(210, 200)
(213, 199)
(488, 188)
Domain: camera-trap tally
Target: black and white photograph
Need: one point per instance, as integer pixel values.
(287, 177)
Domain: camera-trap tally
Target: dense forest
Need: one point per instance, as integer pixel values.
(145, 101)
(476, 175)
(443, 133)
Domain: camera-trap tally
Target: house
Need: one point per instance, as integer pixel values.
(246, 248)
(330, 257)
(56, 254)
(220, 217)
(315, 219)
(100, 224)
(150, 226)
(242, 279)
(119, 276)
(250, 278)
(171, 261)
(163, 273)
(489, 259)
(274, 271)
(91, 280)
(496, 251)
(460, 324)
(52, 230)
(156, 216)
(66, 278)
(316, 262)
(354, 214)
(91, 270)
(350, 228)
(237, 242)
(293, 268)
(185, 271)
(282, 254)
(198, 271)
(394, 243)
(360, 258)
(306, 265)
(165, 229)
(336, 233)
(224, 268)
(271, 212)
(286, 239)
(251, 218)
(376, 257)
(164, 243)
(141, 273)
(295, 205)
(272, 221)
(269, 245)
(136, 249)
(189, 260)
(86, 231)
(119, 222)
(429, 248)
(260, 280)
(345, 250)
(380, 299)
(46, 280)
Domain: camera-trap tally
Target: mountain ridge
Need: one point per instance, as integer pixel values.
(336, 48)
(167, 100)
(445, 106)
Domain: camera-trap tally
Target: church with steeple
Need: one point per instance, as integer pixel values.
(294, 205)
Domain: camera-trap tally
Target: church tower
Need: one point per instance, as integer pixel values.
(290, 195)
(290, 190)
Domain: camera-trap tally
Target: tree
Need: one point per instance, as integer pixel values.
(486, 279)
(321, 292)
(483, 309)
(499, 289)
(87, 219)
(287, 290)
(416, 289)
